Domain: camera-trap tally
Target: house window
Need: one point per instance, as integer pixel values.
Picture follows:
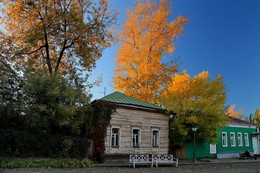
(232, 139)
(155, 138)
(136, 138)
(246, 139)
(115, 137)
(239, 139)
(224, 139)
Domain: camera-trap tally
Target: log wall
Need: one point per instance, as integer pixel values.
(126, 120)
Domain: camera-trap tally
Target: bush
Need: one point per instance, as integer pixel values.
(45, 163)
(16, 143)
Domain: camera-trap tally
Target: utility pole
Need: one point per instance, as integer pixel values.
(105, 89)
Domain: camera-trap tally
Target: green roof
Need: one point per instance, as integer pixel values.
(120, 98)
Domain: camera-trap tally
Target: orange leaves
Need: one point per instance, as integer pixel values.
(146, 36)
(232, 113)
(19, 16)
(180, 83)
(202, 75)
(58, 35)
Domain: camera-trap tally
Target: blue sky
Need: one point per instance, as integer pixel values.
(222, 36)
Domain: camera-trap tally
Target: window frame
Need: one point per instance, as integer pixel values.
(157, 140)
(119, 137)
(139, 138)
(232, 139)
(224, 139)
(240, 139)
(246, 138)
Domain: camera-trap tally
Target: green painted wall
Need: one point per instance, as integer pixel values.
(202, 149)
(203, 146)
(221, 149)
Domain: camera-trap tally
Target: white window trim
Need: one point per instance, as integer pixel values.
(119, 137)
(136, 128)
(222, 139)
(234, 136)
(213, 148)
(158, 140)
(241, 139)
(246, 139)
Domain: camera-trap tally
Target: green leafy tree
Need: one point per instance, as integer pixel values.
(197, 101)
(45, 117)
(11, 104)
(54, 103)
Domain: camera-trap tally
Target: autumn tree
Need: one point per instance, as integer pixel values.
(257, 117)
(65, 36)
(254, 118)
(197, 101)
(50, 47)
(147, 36)
(232, 113)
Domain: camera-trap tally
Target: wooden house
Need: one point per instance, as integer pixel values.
(136, 127)
(233, 139)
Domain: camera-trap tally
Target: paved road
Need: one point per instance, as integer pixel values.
(211, 168)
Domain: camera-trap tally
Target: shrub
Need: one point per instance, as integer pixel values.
(8, 163)
(16, 143)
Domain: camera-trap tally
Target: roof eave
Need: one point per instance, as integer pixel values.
(136, 107)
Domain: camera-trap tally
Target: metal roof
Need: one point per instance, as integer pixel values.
(235, 121)
(123, 99)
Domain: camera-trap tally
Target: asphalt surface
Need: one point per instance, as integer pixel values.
(253, 167)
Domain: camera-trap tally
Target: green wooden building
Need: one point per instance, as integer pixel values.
(236, 138)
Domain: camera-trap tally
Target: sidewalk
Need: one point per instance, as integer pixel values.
(219, 161)
(125, 162)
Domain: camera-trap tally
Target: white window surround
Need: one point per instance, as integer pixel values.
(213, 148)
(136, 138)
(224, 139)
(246, 139)
(114, 136)
(155, 141)
(239, 139)
(232, 139)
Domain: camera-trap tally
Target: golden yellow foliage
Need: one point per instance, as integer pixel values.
(196, 101)
(256, 118)
(232, 113)
(146, 36)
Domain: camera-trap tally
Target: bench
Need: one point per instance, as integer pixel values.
(243, 156)
(164, 159)
(139, 159)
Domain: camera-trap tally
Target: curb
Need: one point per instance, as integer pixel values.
(188, 163)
